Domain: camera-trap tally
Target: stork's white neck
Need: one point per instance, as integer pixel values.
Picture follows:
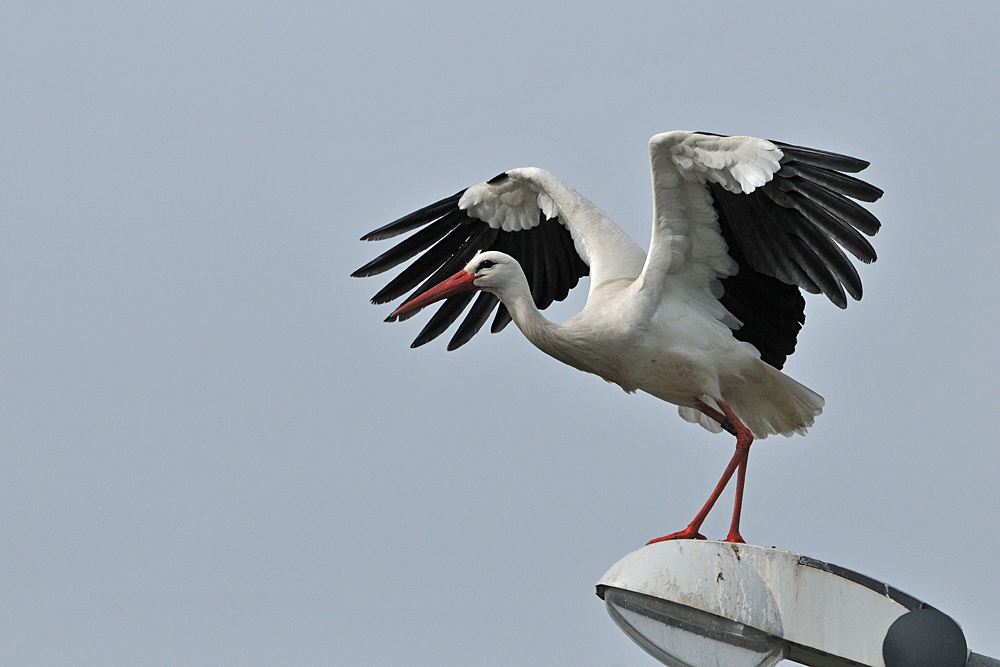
(535, 327)
(554, 339)
(574, 342)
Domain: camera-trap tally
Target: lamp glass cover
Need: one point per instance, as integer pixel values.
(682, 636)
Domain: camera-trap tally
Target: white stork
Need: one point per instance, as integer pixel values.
(704, 320)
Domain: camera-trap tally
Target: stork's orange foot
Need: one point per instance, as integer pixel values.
(735, 537)
(689, 533)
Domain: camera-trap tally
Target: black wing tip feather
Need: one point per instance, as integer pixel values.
(449, 311)
(413, 220)
(833, 181)
(500, 320)
(474, 321)
(398, 318)
(818, 158)
(415, 243)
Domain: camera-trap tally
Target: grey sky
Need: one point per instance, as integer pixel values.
(212, 451)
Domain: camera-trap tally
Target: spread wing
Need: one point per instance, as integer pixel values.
(556, 234)
(749, 222)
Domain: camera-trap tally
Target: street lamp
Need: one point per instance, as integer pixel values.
(696, 603)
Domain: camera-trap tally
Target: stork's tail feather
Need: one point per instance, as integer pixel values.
(767, 401)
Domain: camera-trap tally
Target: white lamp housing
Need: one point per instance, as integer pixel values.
(696, 603)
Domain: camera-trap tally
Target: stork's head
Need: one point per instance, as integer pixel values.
(490, 271)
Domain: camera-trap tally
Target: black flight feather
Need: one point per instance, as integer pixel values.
(415, 219)
(473, 322)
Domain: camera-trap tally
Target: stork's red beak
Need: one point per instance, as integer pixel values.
(458, 283)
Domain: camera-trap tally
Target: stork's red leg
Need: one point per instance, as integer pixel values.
(728, 419)
(744, 445)
(734, 527)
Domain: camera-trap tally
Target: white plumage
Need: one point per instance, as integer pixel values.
(739, 225)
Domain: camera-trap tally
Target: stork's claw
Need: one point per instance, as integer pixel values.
(735, 538)
(688, 533)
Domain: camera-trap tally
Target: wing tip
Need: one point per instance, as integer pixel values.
(377, 235)
(400, 318)
(365, 272)
(821, 158)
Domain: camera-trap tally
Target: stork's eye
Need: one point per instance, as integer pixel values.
(487, 263)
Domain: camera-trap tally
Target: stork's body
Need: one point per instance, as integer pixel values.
(679, 354)
(704, 320)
